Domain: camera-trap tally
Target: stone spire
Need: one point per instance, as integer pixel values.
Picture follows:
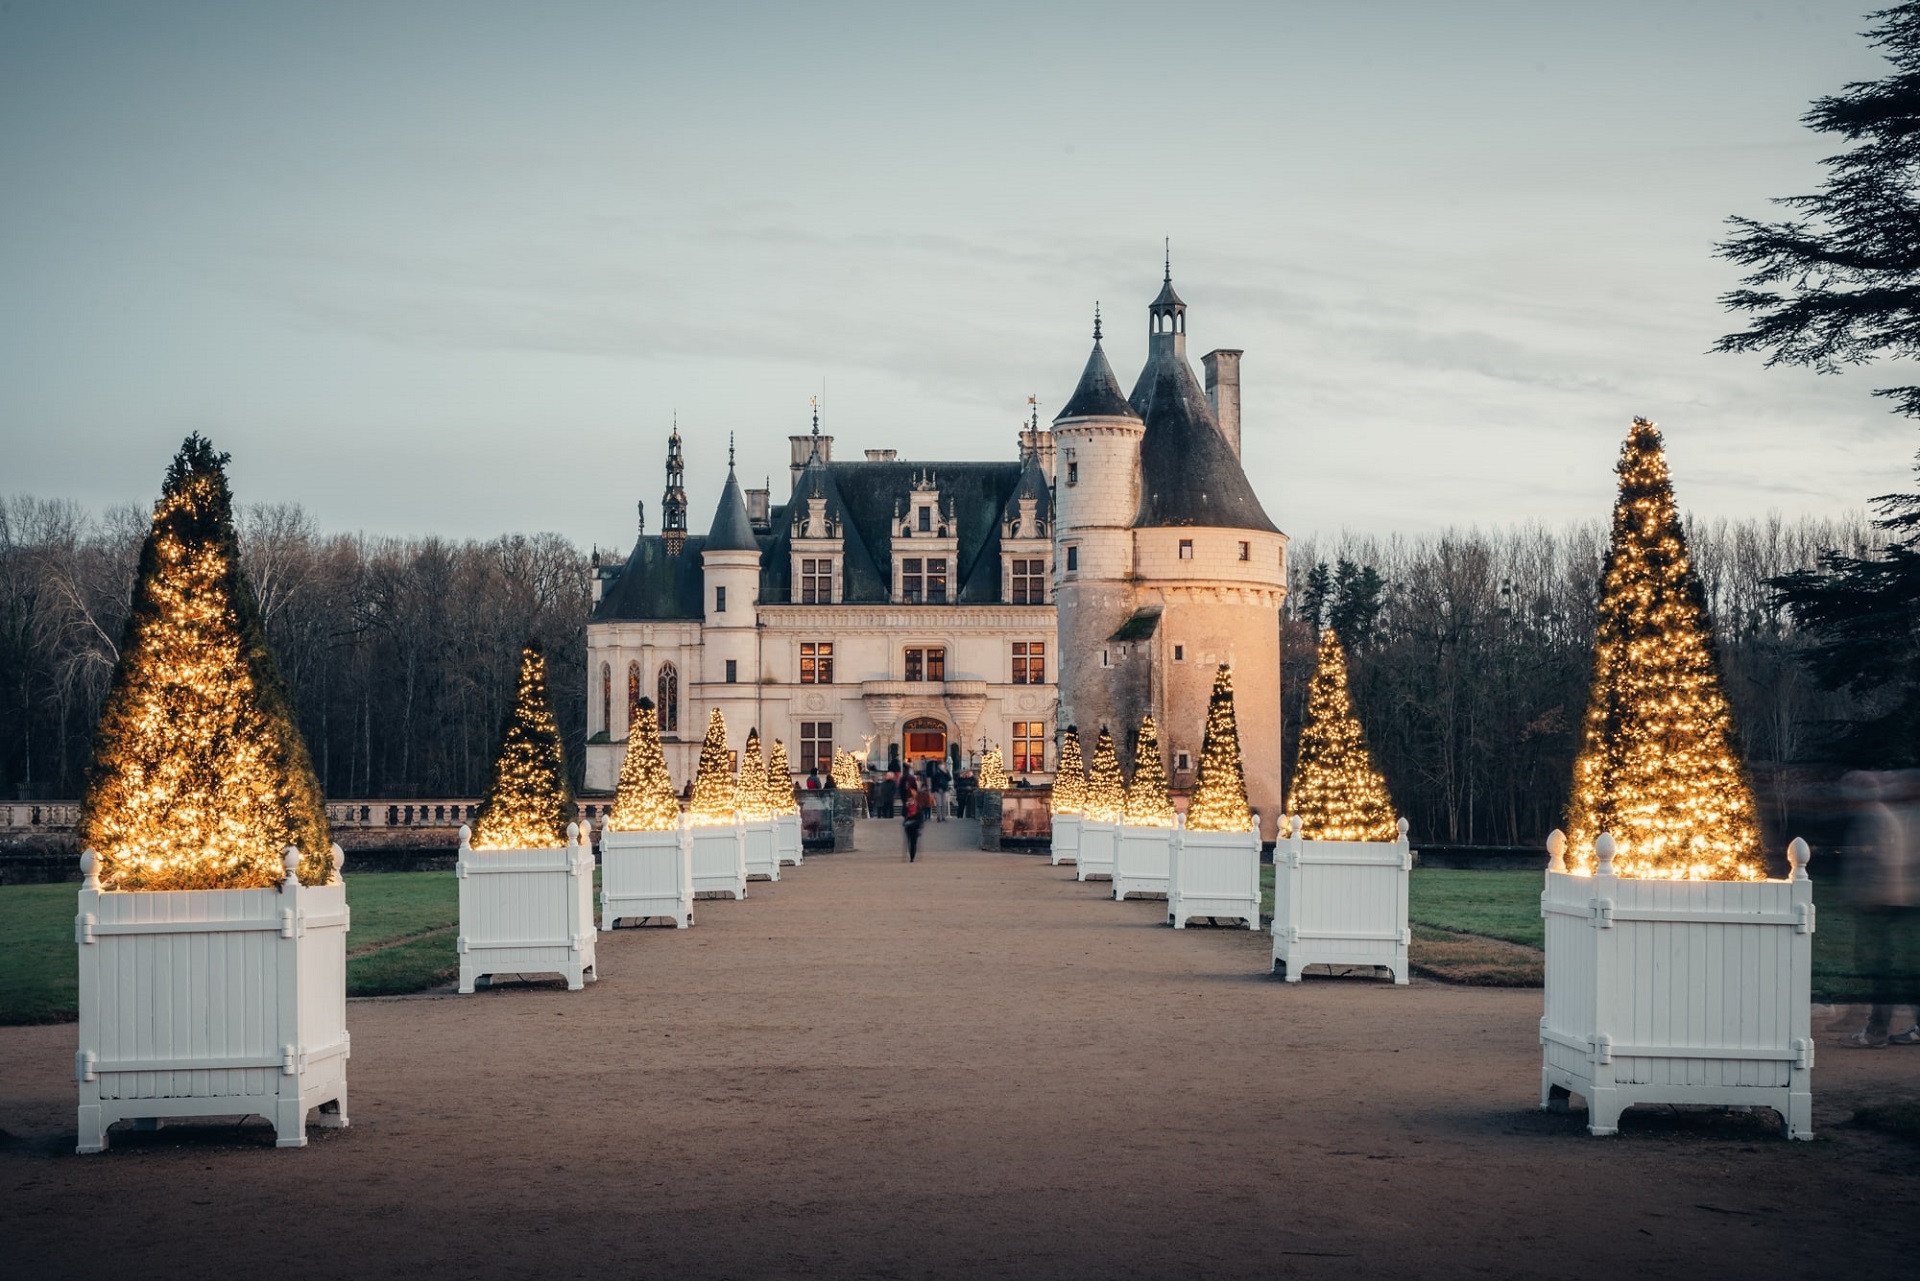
(673, 525)
(1098, 393)
(1166, 337)
(732, 529)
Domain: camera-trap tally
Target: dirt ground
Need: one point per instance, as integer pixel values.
(972, 1066)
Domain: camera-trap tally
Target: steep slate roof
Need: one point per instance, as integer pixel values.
(1098, 393)
(732, 531)
(656, 585)
(1188, 472)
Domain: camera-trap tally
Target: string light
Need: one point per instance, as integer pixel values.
(750, 790)
(200, 778)
(993, 771)
(1070, 779)
(780, 781)
(1657, 766)
(644, 800)
(529, 801)
(1106, 794)
(714, 797)
(846, 770)
(1220, 787)
(1337, 793)
(1148, 804)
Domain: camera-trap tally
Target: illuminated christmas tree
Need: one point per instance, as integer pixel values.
(200, 778)
(1070, 780)
(529, 801)
(993, 771)
(750, 790)
(713, 789)
(846, 770)
(1147, 802)
(1106, 794)
(780, 798)
(1337, 793)
(1220, 788)
(1658, 764)
(644, 801)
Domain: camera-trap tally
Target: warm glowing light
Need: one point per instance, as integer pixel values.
(780, 781)
(529, 802)
(1148, 804)
(1070, 780)
(846, 770)
(644, 801)
(1220, 787)
(1106, 794)
(1337, 793)
(750, 789)
(714, 794)
(1658, 766)
(200, 778)
(993, 771)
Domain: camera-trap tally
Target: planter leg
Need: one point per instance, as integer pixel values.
(1603, 1112)
(1553, 1098)
(290, 1121)
(333, 1116)
(93, 1130)
(1799, 1114)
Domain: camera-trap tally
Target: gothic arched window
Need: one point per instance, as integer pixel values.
(633, 693)
(667, 700)
(606, 699)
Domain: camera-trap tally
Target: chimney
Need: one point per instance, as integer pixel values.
(759, 508)
(882, 455)
(1223, 393)
(802, 449)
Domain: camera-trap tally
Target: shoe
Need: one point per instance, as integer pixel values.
(1909, 1037)
(1865, 1040)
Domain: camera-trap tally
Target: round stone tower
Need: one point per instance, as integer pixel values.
(729, 652)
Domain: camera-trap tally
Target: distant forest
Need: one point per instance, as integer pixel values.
(1469, 650)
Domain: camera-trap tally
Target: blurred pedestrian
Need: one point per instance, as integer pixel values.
(913, 812)
(1885, 883)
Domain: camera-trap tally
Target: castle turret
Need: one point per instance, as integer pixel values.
(673, 506)
(730, 559)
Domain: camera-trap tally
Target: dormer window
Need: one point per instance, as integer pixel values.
(923, 579)
(926, 520)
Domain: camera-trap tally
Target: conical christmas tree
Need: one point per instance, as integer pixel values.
(529, 802)
(846, 770)
(1106, 794)
(750, 790)
(1337, 793)
(1070, 780)
(1147, 802)
(714, 796)
(993, 771)
(644, 800)
(200, 778)
(1658, 764)
(1220, 787)
(780, 781)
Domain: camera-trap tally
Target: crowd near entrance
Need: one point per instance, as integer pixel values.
(926, 739)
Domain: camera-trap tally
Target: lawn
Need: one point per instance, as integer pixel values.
(402, 941)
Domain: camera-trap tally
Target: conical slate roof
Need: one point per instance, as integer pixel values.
(1098, 393)
(732, 531)
(1188, 472)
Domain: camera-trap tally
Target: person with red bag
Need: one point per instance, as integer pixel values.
(914, 811)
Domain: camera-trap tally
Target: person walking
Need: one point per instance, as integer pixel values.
(813, 779)
(1886, 891)
(941, 786)
(913, 812)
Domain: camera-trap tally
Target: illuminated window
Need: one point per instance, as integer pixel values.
(1029, 662)
(816, 745)
(928, 664)
(1029, 582)
(1029, 747)
(816, 580)
(666, 698)
(1186, 549)
(816, 662)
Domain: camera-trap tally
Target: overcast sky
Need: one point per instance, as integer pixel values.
(453, 267)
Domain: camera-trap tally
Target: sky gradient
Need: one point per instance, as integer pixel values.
(453, 268)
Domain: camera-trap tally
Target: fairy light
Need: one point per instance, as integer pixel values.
(1657, 766)
(780, 781)
(993, 771)
(750, 789)
(200, 778)
(1337, 793)
(1070, 779)
(846, 770)
(714, 795)
(1106, 794)
(1147, 802)
(529, 801)
(644, 801)
(1220, 786)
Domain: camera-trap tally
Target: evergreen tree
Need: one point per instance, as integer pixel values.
(1658, 765)
(714, 798)
(529, 800)
(1106, 794)
(200, 777)
(750, 791)
(846, 770)
(1337, 793)
(993, 771)
(780, 799)
(644, 801)
(1070, 780)
(1148, 804)
(1220, 787)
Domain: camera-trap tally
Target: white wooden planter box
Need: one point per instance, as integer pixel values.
(527, 911)
(1215, 874)
(1066, 839)
(1677, 992)
(719, 858)
(1099, 842)
(1142, 860)
(212, 1003)
(646, 874)
(762, 858)
(1340, 903)
(786, 840)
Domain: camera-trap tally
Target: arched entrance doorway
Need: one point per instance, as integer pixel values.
(925, 738)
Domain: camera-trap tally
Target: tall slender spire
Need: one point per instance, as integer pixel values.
(1096, 320)
(673, 525)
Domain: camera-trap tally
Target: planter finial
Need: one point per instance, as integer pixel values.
(1294, 826)
(466, 836)
(89, 870)
(339, 860)
(1556, 851)
(1603, 851)
(1401, 827)
(573, 833)
(291, 859)
(1798, 854)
